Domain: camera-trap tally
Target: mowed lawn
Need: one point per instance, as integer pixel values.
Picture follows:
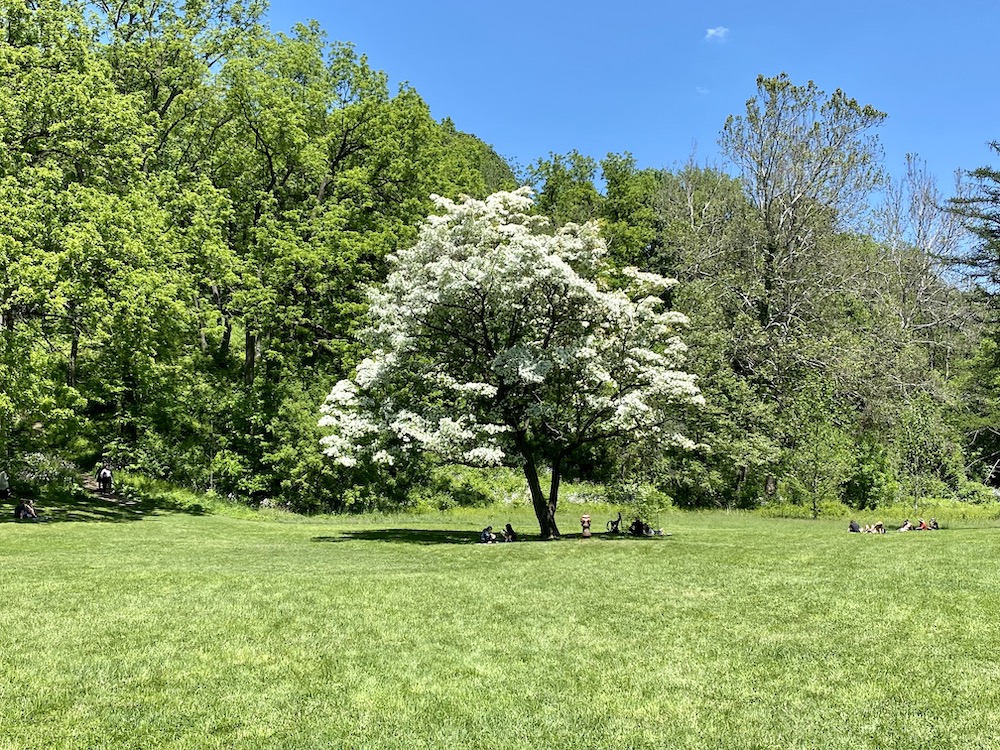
(189, 631)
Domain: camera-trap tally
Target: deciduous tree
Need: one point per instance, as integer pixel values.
(496, 335)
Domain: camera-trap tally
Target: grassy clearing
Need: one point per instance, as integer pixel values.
(186, 629)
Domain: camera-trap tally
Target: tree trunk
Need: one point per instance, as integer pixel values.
(74, 353)
(250, 359)
(545, 509)
(554, 495)
(222, 354)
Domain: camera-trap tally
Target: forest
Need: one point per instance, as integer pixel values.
(194, 212)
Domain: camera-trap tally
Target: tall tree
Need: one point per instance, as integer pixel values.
(978, 206)
(493, 335)
(86, 267)
(808, 163)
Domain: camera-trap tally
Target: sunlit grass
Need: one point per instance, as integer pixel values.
(185, 630)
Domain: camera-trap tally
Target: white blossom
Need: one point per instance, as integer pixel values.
(492, 321)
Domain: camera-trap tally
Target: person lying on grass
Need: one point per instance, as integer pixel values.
(641, 528)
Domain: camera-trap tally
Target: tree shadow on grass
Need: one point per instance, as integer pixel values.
(97, 507)
(447, 536)
(404, 536)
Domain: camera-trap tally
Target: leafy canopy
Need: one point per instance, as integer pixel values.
(495, 332)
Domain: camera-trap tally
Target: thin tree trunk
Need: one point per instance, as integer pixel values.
(202, 341)
(74, 353)
(545, 510)
(250, 359)
(554, 495)
(227, 335)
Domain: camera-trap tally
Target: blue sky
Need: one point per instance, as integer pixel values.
(658, 79)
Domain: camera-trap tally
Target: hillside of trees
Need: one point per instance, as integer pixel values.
(193, 209)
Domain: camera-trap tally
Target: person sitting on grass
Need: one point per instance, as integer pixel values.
(922, 525)
(879, 528)
(638, 528)
(854, 527)
(487, 537)
(641, 528)
(934, 524)
(509, 535)
(907, 526)
(25, 511)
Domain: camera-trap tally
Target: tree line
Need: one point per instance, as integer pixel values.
(195, 209)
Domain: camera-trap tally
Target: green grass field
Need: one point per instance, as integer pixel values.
(162, 628)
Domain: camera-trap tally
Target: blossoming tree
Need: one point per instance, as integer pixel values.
(497, 338)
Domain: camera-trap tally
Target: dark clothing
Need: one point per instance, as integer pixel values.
(854, 527)
(638, 528)
(24, 512)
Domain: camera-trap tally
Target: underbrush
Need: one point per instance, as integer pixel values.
(943, 509)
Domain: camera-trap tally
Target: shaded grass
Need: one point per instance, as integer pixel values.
(134, 499)
(397, 631)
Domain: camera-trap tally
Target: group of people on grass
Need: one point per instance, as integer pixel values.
(641, 528)
(920, 525)
(879, 528)
(875, 528)
(488, 537)
(638, 528)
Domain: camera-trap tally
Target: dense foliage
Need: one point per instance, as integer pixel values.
(193, 210)
(494, 336)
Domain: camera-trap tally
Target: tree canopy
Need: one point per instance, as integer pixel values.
(495, 334)
(194, 211)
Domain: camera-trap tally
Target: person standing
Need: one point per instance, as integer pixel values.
(104, 478)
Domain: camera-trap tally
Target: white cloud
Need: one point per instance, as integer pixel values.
(701, 90)
(716, 34)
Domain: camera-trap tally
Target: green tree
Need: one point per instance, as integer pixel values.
(978, 207)
(86, 268)
(565, 187)
(808, 163)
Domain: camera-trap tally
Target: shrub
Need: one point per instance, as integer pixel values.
(43, 469)
(976, 493)
(644, 499)
(823, 509)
